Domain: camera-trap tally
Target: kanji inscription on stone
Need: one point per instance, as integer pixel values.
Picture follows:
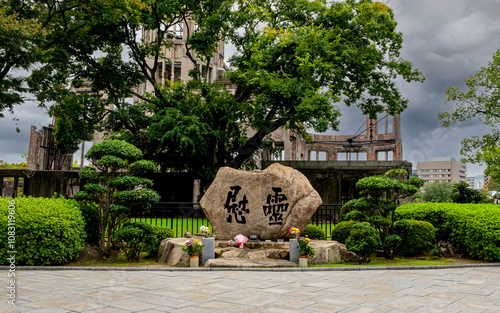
(275, 206)
(235, 208)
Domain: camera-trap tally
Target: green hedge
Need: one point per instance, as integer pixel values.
(419, 239)
(473, 229)
(314, 232)
(48, 231)
(342, 231)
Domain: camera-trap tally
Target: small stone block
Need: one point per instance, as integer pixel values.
(268, 245)
(253, 245)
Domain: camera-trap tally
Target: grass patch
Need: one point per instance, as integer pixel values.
(181, 225)
(178, 225)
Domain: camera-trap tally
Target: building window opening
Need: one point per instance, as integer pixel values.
(168, 72)
(177, 71)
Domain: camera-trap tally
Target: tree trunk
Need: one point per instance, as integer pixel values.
(248, 148)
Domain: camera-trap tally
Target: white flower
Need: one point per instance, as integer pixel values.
(202, 228)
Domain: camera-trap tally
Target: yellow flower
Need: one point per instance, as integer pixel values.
(307, 240)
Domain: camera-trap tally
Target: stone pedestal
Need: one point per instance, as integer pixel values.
(294, 251)
(208, 251)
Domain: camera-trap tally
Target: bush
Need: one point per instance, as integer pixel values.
(133, 238)
(342, 230)
(472, 229)
(419, 238)
(314, 232)
(363, 241)
(91, 220)
(160, 234)
(48, 231)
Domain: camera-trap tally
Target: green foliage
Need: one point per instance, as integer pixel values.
(419, 239)
(113, 151)
(380, 196)
(295, 60)
(111, 191)
(48, 231)
(134, 238)
(14, 165)
(480, 101)
(342, 231)
(314, 232)
(363, 240)
(461, 193)
(160, 234)
(437, 191)
(472, 229)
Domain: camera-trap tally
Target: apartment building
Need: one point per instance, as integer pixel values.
(475, 183)
(442, 169)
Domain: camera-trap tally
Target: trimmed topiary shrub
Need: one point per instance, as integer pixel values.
(342, 231)
(47, 231)
(115, 188)
(364, 241)
(314, 232)
(133, 238)
(472, 229)
(160, 234)
(419, 238)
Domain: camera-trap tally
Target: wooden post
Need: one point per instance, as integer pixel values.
(16, 186)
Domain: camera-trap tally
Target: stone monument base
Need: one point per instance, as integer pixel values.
(254, 254)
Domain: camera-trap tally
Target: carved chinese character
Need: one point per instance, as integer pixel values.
(236, 208)
(275, 207)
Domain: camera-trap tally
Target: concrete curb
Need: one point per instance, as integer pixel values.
(258, 269)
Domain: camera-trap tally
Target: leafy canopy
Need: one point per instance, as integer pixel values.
(295, 60)
(481, 101)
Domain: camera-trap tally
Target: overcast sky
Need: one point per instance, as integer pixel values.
(448, 40)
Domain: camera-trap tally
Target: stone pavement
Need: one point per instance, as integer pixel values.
(469, 289)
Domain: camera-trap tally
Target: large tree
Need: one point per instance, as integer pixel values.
(29, 36)
(437, 191)
(480, 101)
(295, 60)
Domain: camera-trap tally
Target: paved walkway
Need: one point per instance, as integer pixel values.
(432, 290)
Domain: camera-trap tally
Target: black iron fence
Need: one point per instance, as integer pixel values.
(187, 216)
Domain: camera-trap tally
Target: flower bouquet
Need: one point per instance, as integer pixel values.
(205, 230)
(193, 247)
(240, 240)
(304, 248)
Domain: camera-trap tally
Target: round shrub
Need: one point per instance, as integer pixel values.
(133, 238)
(363, 241)
(160, 234)
(419, 238)
(342, 230)
(314, 232)
(47, 231)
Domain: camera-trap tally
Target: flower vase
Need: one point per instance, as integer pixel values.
(194, 261)
(303, 261)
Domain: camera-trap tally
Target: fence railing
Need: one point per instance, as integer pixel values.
(187, 216)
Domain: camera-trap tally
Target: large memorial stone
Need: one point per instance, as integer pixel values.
(263, 203)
